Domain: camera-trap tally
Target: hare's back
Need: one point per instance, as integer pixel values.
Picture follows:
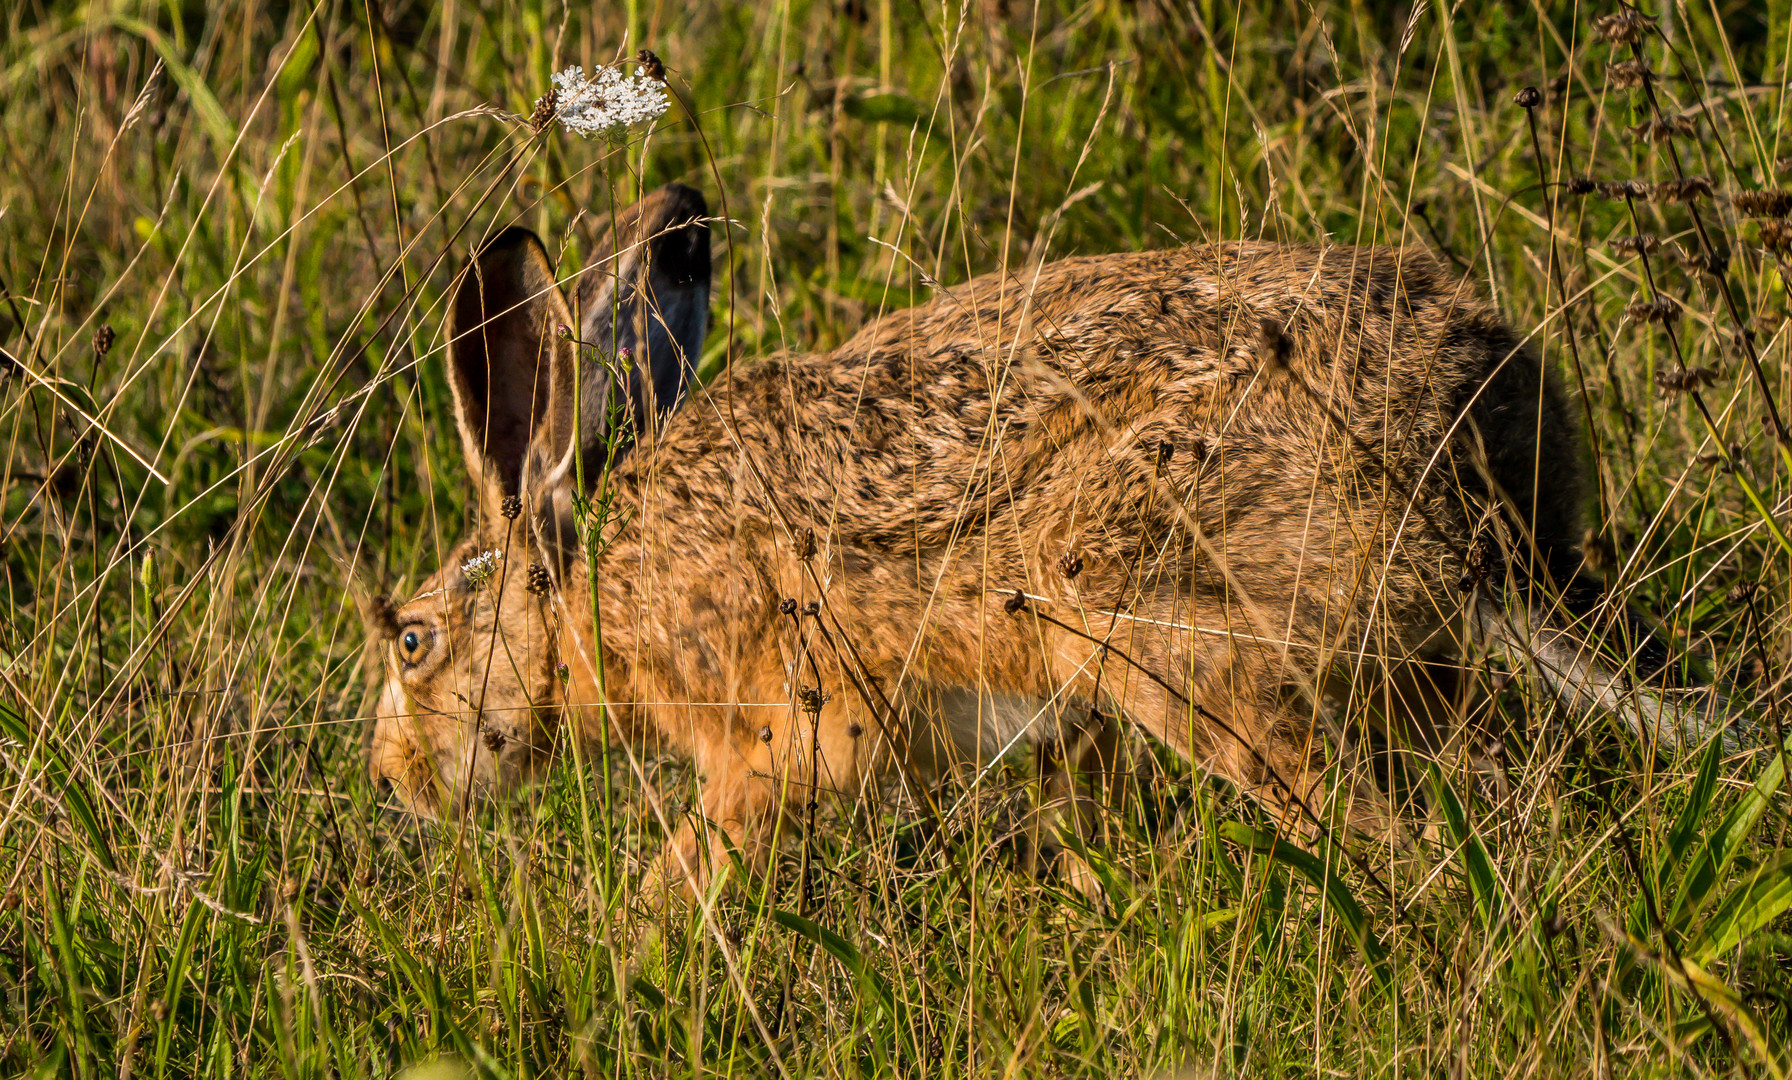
(1110, 397)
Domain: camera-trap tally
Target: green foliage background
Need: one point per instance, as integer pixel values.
(265, 203)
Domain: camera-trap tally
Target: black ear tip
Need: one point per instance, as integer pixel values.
(684, 203)
(512, 239)
(682, 247)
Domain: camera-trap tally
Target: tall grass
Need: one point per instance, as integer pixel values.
(226, 232)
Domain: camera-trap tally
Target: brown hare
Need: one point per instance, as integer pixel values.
(1216, 491)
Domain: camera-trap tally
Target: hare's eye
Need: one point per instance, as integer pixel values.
(410, 646)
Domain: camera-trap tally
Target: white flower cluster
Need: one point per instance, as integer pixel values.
(607, 102)
(479, 569)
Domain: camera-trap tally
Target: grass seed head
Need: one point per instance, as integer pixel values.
(103, 339)
(539, 582)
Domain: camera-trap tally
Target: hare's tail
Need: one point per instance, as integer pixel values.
(1613, 669)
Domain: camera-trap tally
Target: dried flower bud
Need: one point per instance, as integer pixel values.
(538, 581)
(103, 339)
(1625, 27)
(1662, 311)
(562, 672)
(1742, 592)
(493, 739)
(1641, 244)
(1581, 185)
(1776, 236)
(805, 544)
(1070, 565)
(1166, 451)
(812, 608)
(787, 606)
(765, 733)
(1683, 191)
(812, 698)
(854, 730)
(1771, 203)
(1660, 131)
(650, 65)
(1629, 74)
(1015, 604)
(511, 508)
(1681, 382)
(1528, 98)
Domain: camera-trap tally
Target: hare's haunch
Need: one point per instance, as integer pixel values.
(1200, 489)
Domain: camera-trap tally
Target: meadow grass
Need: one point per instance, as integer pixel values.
(226, 235)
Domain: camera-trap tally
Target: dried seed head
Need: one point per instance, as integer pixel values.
(1528, 98)
(1771, 203)
(1625, 27)
(1714, 460)
(1714, 264)
(1660, 131)
(812, 608)
(1581, 185)
(543, 114)
(1166, 450)
(854, 730)
(511, 508)
(1629, 74)
(805, 545)
(1070, 565)
(1662, 311)
(1624, 189)
(103, 339)
(1776, 236)
(493, 739)
(538, 581)
(765, 733)
(1641, 244)
(787, 606)
(1015, 604)
(1743, 592)
(1681, 382)
(1683, 191)
(812, 698)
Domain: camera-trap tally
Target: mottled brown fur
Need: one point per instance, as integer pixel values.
(1270, 461)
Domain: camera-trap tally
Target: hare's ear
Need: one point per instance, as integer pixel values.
(504, 346)
(648, 293)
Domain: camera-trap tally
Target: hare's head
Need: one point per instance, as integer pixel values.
(470, 700)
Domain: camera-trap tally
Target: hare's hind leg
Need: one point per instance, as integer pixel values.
(1232, 705)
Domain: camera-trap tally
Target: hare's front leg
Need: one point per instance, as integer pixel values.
(770, 763)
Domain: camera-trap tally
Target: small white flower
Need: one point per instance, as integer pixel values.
(479, 569)
(606, 103)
